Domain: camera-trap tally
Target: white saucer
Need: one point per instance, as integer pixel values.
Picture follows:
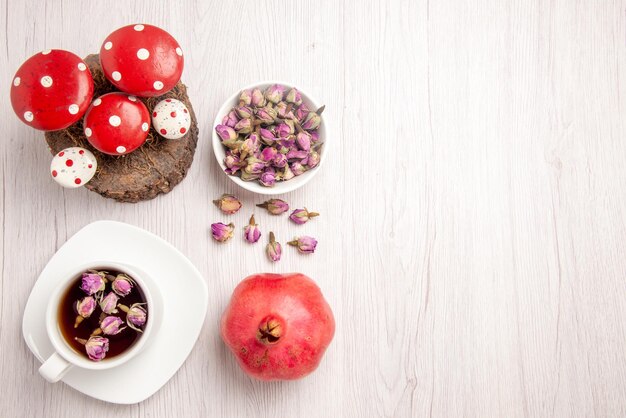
(184, 309)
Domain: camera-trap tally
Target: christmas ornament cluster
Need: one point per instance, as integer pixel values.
(54, 89)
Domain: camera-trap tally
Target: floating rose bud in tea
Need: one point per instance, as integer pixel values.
(275, 206)
(112, 325)
(251, 232)
(92, 283)
(305, 244)
(96, 347)
(122, 285)
(222, 232)
(273, 249)
(302, 216)
(136, 315)
(108, 304)
(84, 309)
(228, 204)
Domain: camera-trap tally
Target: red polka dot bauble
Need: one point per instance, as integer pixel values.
(143, 60)
(117, 123)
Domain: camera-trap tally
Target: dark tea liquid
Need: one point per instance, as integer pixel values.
(119, 343)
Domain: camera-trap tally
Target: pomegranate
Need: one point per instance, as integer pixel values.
(278, 326)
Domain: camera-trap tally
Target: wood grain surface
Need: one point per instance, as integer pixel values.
(473, 204)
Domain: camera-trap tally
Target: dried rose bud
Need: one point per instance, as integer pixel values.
(303, 139)
(95, 347)
(301, 113)
(122, 285)
(283, 110)
(232, 163)
(265, 115)
(297, 168)
(222, 232)
(286, 174)
(286, 143)
(268, 154)
(273, 249)
(294, 96)
(111, 325)
(302, 216)
(226, 132)
(230, 119)
(244, 111)
(268, 177)
(251, 232)
(136, 315)
(282, 130)
(267, 137)
(312, 121)
(274, 206)
(244, 126)
(280, 160)
(314, 159)
(315, 136)
(228, 204)
(108, 304)
(296, 155)
(250, 146)
(258, 99)
(245, 97)
(249, 176)
(84, 309)
(306, 245)
(275, 93)
(254, 166)
(92, 283)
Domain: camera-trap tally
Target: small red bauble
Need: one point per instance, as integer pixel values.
(52, 90)
(143, 60)
(117, 123)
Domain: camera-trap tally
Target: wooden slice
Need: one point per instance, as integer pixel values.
(155, 168)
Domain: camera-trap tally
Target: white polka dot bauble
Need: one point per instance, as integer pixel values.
(171, 119)
(73, 167)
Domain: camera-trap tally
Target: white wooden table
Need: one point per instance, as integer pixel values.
(473, 220)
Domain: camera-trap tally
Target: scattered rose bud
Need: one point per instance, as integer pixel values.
(222, 232)
(302, 216)
(122, 285)
(245, 97)
(110, 325)
(273, 249)
(228, 204)
(244, 126)
(305, 245)
(226, 132)
(95, 347)
(84, 309)
(251, 232)
(108, 304)
(275, 206)
(92, 283)
(135, 315)
(275, 93)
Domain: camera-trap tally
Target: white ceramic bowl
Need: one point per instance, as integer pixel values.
(281, 186)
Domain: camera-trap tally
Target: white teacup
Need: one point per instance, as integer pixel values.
(65, 357)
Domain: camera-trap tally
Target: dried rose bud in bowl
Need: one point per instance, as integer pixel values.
(270, 138)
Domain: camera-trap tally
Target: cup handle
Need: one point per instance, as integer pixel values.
(54, 368)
